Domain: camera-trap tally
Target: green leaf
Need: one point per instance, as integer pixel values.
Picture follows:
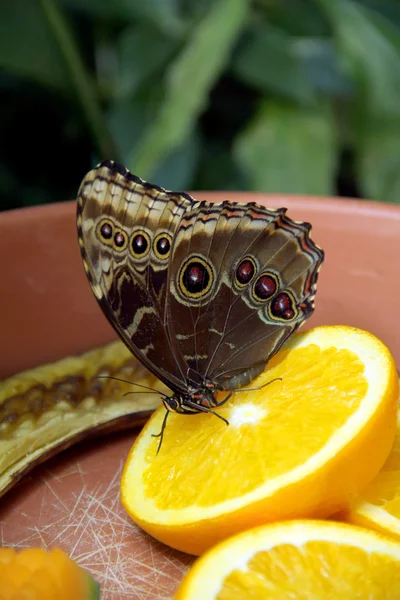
(387, 8)
(217, 169)
(369, 47)
(189, 81)
(162, 14)
(128, 120)
(107, 9)
(320, 65)
(289, 149)
(296, 17)
(142, 52)
(176, 172)
(266, 60)
(81, 81)
(378, 158)
(27, 48)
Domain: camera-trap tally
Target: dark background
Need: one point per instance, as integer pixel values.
(289, 96)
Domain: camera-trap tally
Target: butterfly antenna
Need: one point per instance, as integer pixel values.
(145, 387)
(137, 392)
(161, 434)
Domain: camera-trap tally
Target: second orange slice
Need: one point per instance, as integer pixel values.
(300, 447)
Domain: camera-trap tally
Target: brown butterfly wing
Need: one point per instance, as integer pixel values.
(196, 290)
(125, 229)
(242, 279)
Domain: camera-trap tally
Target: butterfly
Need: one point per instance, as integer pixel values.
(202, 293)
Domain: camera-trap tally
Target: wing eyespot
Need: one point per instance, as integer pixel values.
(120, 240)
(283, 307)
(140, 244)
(245, 272)
(111, 235)
(196, 277)
(105, 231)
(265, 287)
(162, 246)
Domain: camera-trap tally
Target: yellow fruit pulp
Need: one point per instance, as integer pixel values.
(378, 506)
(270, 432)
(300, 560)
(384, 490)
(300, 447)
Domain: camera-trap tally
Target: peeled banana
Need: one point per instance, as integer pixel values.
(47, 409)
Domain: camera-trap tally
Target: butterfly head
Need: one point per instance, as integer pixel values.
(195, 401)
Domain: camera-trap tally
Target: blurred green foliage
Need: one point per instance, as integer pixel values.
(290, 96)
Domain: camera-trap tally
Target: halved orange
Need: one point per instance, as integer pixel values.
(300, 447)
(378, 506)
(300, 560)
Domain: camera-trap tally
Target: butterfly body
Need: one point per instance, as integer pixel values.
(203, 396)
(204, 294)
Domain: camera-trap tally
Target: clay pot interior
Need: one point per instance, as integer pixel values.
(48, 311)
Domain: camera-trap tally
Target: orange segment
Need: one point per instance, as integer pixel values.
(378, 506)
(36, 574)
(270, 423)
(299, 560)
(300, 447)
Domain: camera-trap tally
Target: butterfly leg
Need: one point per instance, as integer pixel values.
(224, 400)
(161, 434)
(255, 388)
(200, 408)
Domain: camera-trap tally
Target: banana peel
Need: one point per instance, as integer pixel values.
(49, 408)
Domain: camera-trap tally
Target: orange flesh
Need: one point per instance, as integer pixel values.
(384, 490)
(34, 574)
(291, 427)
(316, 569)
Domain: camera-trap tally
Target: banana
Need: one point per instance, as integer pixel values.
(47, 409)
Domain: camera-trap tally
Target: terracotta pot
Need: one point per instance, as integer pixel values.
(48, 311)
